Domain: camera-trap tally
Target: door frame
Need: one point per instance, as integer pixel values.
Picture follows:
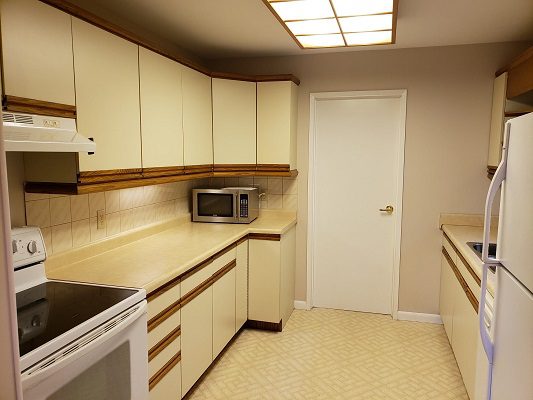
(372, 94)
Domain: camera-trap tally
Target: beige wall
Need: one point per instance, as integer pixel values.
(448, 115)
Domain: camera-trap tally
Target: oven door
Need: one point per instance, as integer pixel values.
(110, 362)
(215, 205)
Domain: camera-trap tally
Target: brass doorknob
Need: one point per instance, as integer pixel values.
(388, 209)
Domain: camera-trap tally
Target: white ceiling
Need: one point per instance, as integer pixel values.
(236, 28)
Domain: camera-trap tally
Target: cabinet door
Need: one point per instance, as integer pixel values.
(197, 118)
(277, 107)
(465, 340)
(288, 266)
(161, 110)
(107, 97)
(37, 51)
(497, 120)
(264, 281)
(447, 296)
(241, 286)
(223, 311)
(196, 338)
(234, 121)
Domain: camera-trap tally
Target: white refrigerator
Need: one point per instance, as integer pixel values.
(509, 343)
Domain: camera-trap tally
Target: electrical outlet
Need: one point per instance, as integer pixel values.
(100, 219)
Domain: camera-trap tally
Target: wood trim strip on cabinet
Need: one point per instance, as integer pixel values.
(234, 167)
(223, 271)
(233, 76)
(273, 167)
(114, 175)
(162, 289)
(463, 259)
(277, 78)
(165, 369)
(198, 290)
(470, 296)
(196, 268)
(164, 315)
(491, 170)
(265, 236)
(163, 343)
(263, 325)
(198, 169)
(40, 107)
(241, 240)
(51, 188)
(162, 171)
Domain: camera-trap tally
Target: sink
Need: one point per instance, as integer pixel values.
(478, 248)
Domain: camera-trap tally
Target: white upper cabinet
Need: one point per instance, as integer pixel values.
(197, 118)
(234, 121)
(161, 110)
(107, 97)
(37, 52)
(277, 107)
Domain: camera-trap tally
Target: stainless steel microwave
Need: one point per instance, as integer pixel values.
(234, 205)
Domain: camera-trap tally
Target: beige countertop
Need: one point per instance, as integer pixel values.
(460, 235)
(150, 259)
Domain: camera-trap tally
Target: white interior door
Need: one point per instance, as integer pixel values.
(357, 170)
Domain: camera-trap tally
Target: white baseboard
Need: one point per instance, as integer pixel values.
(300, 305)
(419, 317)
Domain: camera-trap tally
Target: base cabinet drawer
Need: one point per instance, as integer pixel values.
(169, 386)
(196, 337)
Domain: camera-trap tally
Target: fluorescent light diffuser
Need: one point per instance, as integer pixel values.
(348, 8)
(368, 38)
(314, 26)
(337, 23)
(366, 23)
(321, 40)
(303, 9)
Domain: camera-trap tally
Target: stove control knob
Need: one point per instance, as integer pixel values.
(32, 247)
(14, 246)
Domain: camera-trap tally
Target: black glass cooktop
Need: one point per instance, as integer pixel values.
(46, 311)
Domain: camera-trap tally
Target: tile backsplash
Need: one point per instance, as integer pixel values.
(71, 221)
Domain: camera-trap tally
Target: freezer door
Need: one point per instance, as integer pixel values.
(513, 340)
(515, 231)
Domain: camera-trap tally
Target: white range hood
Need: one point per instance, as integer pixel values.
(38, 133)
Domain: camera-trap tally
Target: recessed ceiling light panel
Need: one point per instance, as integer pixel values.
(348, 8)
(368, 38)
(296, 10)
(314, 26)
(313, 41)
(366, 23)
(337, 23)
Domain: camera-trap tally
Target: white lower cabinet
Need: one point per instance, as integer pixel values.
(196, 338)
(460, 321)
(169, 387)
(241, 286)
(223, 311)
(271, 278)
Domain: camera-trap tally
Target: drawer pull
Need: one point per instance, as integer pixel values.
(163, 343)
(165, 369)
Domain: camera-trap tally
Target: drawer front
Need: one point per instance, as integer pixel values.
(464, 269)
(163, 329)
(162, 301)
(449, 248)
(169, 387)
(188, 283)
(168, 351)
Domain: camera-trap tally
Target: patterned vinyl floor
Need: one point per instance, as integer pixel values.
(331, 354)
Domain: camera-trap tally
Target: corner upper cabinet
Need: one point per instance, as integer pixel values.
(197, 118)
(234, 123)
(37, 52)
(277, 108)
(107, 97)
(161, 110)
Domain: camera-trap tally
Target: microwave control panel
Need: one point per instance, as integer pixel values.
(243, 200)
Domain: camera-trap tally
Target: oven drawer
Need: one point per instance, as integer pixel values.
(166, 385)
(168, 296)
(163, 352)
(156, 332)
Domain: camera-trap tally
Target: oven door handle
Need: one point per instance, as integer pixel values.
(82, 346)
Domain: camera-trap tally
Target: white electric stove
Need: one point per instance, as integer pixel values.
(76, 340)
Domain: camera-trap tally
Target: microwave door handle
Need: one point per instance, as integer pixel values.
(82, 346)
(236, 207)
